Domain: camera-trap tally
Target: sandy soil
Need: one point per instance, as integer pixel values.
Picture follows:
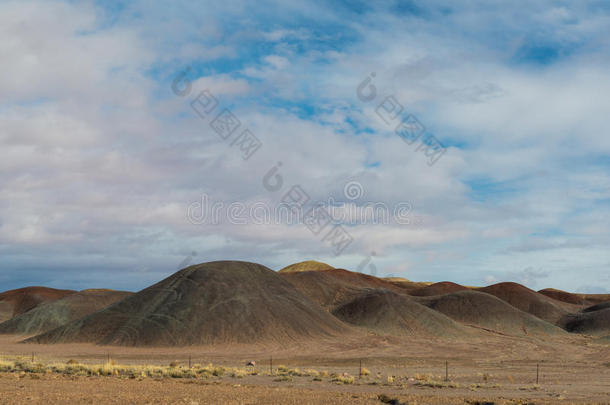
(497, 368)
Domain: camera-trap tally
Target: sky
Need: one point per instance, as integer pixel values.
(113, 139)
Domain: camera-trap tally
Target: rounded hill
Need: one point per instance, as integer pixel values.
(488, 312)
(527, 300)
(50, 315)
(331, 288)
(309, 265)
(17, 302)
(396, 314)
(443, 287)
(215, 302)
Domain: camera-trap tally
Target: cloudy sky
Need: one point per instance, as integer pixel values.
(103, 159)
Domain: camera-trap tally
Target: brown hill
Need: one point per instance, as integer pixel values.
(564, 296)
(331, 288)
(597, 307)
(407, 285)
(16, 302)
(591, 323)
(488, 312)
(309, 265)
(528, 301)
(595, 298)
(215, 302)
(396, 314)
(50, 315)
(444, 287)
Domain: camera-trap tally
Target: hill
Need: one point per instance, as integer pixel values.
(591, 323)
(444, 287)
(16, 302)
(215, 302)
(595, 298)
(528, 301)
(407, 285)
(597, 307)
(309, 265)
(396, 314)
(50, 315)
(331, 288)
(488, 312)
(564, 296)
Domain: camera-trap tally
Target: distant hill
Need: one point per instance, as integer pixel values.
(215, 302)
(407, 285)
(310, 265)
(527, 300)
(488, 312)
(331, 288)
(594, 320)
(16, 302)
(444, 287)
(396, 314)
(53, 314)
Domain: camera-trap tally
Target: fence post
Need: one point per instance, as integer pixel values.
(271, 365)
(360, 371)
(189, 361)
(446, 370)
(537, 371)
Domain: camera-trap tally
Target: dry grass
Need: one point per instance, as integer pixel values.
(533, 387)
(343, 379)
(73, 368)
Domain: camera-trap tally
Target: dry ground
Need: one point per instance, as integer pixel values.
(497, 368)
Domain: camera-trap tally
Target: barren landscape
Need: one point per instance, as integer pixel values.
(220, 332)
(389, 202)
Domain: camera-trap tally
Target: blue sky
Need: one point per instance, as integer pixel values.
(101, 160)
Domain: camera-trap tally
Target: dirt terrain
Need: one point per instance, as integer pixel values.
(494, 368)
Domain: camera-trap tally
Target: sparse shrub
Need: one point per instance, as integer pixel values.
(238, 373)
(218, 371)
(533, 387)
(311, 372)
(440, 384)
(390, 379)
(324, 373)
(174, 364)
(343, 379)
(365, 371)
(295, 372)
(387, 400)
(71, 362)
(6, 366)
(283, 378)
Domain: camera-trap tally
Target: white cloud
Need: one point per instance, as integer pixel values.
(100, 160)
